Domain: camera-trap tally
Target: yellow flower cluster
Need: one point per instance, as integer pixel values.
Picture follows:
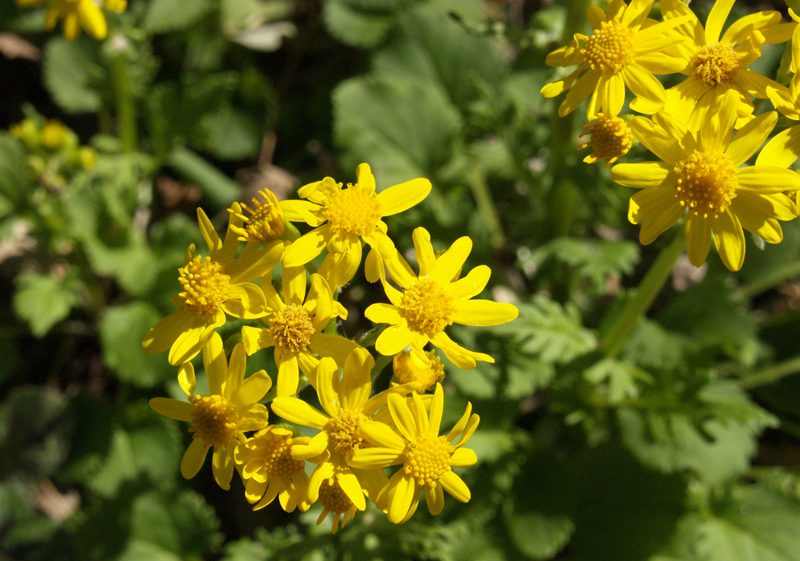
(359, 434)
(698, 177)
(77, 15)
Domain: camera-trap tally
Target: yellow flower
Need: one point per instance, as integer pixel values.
(54, 134)
(347, 406)
(269, 470)
(342, 218)
(625, 50)
(212, 287)
(76, 14)
(427, 458)
(433, 301)
(295, 328)
(610, 138)
(265, 223)
(412, 367)
(221, 418)
(717, 64)
(700, 172)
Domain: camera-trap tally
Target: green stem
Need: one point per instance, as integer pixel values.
(776, 277)
(218, 187)
(486, 208)
(772, 374)
(651, 285)
(125, 104)
(380, 363)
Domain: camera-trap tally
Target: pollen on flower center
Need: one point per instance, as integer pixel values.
(610, 48)
(354, 210)
(343, 431)
(427, 459)
(213, 419)
(333, 497)
(291, 328)
(715, 64)
(276, 452)
(265, 223)
(428, 309)
(205, 286)
(611, 137)
(706, 182)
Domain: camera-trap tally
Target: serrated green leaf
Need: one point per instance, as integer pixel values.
(122, 329)
(619, 379)
(353, 27)
(141, 550)
(165, 15)
(716, 437)
(230, 133)
(552, 332)
(45, 300)
(539, 536)
(652, 346)
(72, 75)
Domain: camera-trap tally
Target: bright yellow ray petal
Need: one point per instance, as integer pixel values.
(463, 457)
(378, 457)
(403, 196)
(729, 239)
(298, 411)
(643, 175)
(307, 247)
(334, 346)
(716, 19)
(253, 389)
(470, 285)
(578, 93)
(393, 340)
(698, 238)
(776, 205)
(454, 485)
(222, 468)
(172, 408)
(381, 436)
(767, 228)
(352, 488)
(644, 85)
(656, 139)
(163, 334)
(402, 416)
(767, 179)
(401, 495)
(484, 312)
(216, 364)
(448, 265)
(193, 458)
(750, 138)
(715, 133)
(288, 375)
(426, 259)
(356, 379)
(782, 150)
(245, 301)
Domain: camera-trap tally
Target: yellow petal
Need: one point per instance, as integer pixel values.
(269, 495)
(255, 339)
(255, 260)
(166, 332)
(750, 138)
(307, 247)
(352, 488)
(402, 416)
(92, 19)
(297, 411)
(245, 301)
(461, 424)
(193, 458)
(470, 285)
(172, 408)
(356, 379)
(372, 482)
(434, 498)
(649, 203)
(327, 384)
(365, 178)
(216, 364)
(254, 417)
(401, 493)
(715, 133)
(767, 228)
(426, 259)
(288, 376)
(578, 93)
(381, 436)
(254, 490)
(334, 346)
(451, 262)
(469, 430)
(463, 457)
(383, 313)
(716, 19)
(783, 150)
(437, 409)
(186, 378)
(393, 340)
(189, 343)
(222, 468)
(210, 235)
(657, 140)
(769, 206)
(698, 238)
(454, 485)
(294, 285)
(659, 223)
(729, 239)
(558, 87)
(767, 179)
(643, 175)
(484, 312)
(302, 211)
(740, 30)
(596, 16)
(458, 355)
(403, 196)
(313, 449)
(322, 472)
(644, 85)
(253, 389)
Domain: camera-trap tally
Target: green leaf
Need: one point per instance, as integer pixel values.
(553, 332)
(752, 523)
(371, 123)
(164, 15)
(353, 27)
(230, 133)
(141, 550)
(122, 329)
(72, 75)
(379, 6)
(539, 536)
(14, 185)
(618, 378)
(45, 300)
(92, 438)
(653, 347)
(715, 437)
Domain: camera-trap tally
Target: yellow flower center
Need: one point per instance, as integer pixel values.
(276, 452)
(213, 419)
(428, 459)
(354, 210)
(205, 286)
(428, 309)
(265, 223)
(611, 137)
(343, 431)
(715, 64)
(409, 367)
(332, 497)
(706, 182)
(291, 328)
(610, 48)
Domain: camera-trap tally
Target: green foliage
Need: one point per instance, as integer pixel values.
(354, 27)
(71, 74)
(45, 300)
(162, 15)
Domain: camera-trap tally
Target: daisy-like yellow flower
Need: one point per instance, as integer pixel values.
(76, 14)
(347, 407)
(342, 218)
(412, 367)
(295, 328)
(610, 138)
(269, 470)
(265, 224)
(700, 172)
(624, 50)
(717, 62)
(427, 458)
(432, 301)
(221, 418)
(212, 287)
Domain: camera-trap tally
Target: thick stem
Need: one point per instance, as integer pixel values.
(125, 103)
(218, 187)
(651, 285)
